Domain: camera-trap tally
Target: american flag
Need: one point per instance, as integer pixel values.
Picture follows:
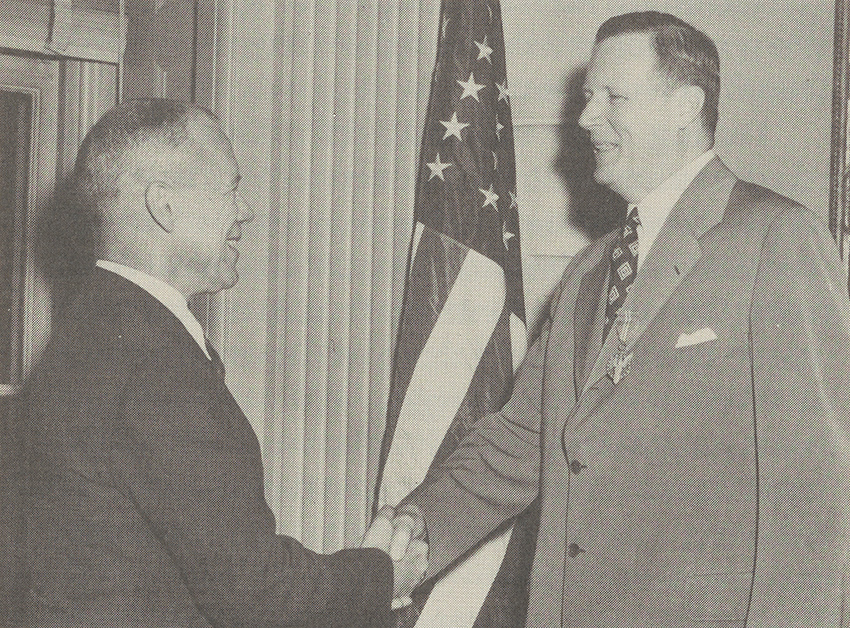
(462, 329)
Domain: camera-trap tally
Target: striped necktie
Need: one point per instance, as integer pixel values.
(623, 269)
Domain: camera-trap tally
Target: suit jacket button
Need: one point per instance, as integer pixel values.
(576, 466)
(574, 550)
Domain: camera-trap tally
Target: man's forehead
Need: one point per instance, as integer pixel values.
(191, 162)
(209, 148)
(207, 135)
(622, 57)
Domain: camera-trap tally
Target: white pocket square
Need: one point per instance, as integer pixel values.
(700, 335)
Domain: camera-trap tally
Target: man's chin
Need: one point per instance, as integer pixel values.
(603, 176)
(612, 178)
(224, 281)
(231, 281)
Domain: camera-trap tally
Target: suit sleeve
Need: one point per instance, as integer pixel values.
(191, 462)
(494, 474)
(800, 332)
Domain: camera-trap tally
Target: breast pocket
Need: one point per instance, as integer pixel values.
(697, 368)
(702, 344)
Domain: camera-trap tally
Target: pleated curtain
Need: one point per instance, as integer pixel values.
(308, 332)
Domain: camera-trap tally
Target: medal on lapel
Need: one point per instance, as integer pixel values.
(618, 365)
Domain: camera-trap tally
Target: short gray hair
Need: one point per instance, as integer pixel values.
(104, 154)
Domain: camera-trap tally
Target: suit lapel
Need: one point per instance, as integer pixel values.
(588, 323)
(673, 254)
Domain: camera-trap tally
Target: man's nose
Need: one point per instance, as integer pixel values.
(246, 214)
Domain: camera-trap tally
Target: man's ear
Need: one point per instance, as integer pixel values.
(158, 202)
(689, 102)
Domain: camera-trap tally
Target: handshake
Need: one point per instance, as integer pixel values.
(399, 533)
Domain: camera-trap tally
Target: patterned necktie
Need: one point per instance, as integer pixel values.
(623, 269)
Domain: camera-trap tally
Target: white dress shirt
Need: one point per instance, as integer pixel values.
(655, 206)
(168, 295)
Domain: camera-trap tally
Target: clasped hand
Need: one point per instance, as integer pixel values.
(398, 533)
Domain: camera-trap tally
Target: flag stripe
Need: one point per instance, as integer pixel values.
(457, 598)
(436, 260)
(519, 340)
(414, 247)
(445, 367)
(482, 397)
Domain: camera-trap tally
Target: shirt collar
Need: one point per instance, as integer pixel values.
(165, 293)
(656, 206)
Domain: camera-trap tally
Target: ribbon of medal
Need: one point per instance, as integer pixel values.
(618, 365)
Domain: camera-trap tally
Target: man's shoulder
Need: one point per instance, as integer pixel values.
(586, 260)
(757, 197)
(103, 307)
(592, 253)
(753, 207)
(107, 325)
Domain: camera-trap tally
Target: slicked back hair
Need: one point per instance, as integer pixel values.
(686, 55)
(106, 153)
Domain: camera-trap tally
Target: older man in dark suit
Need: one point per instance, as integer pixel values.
(146, 504)
(685, 416)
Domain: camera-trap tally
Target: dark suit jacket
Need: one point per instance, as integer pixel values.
(146, 504)
(712, 483)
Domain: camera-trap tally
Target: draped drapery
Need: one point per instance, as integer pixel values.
(334, 91)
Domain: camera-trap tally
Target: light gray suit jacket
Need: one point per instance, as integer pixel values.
(712, 483)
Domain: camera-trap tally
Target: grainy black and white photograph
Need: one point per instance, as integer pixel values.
(424, 313)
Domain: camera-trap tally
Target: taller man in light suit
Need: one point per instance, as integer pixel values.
(146, 504)
(685, 415)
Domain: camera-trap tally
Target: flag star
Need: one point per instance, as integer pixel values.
(503, 90)
(445, 26)
(506, 234)
(453, 127)
(499, 127)
(495, 160)
(484, 50)
(437, 168)
(490, 9)
(490, 197)
(470, 87)
(513, 199)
